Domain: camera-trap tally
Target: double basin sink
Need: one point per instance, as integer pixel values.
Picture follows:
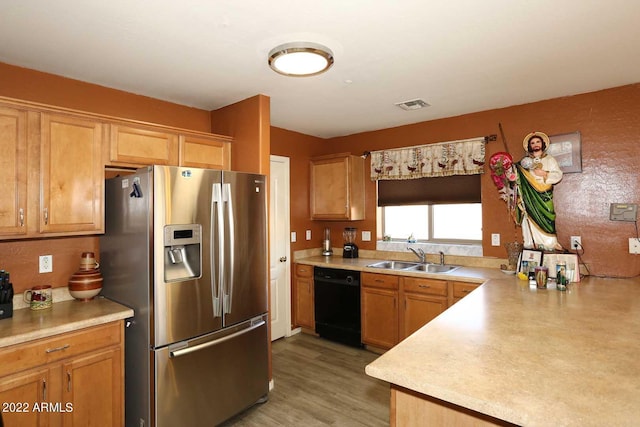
(414, 266)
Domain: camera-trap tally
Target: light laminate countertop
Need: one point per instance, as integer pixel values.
(463, 273)
(64, 316)
(529, 356)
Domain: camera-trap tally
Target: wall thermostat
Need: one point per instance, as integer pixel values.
(623, 212)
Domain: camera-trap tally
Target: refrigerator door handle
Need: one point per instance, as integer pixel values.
(217, 227)
(230, 248)
(187, 350)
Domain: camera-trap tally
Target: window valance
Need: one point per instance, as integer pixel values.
(463, 157)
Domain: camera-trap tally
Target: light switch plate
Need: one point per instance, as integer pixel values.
(294, 237)
(634, 245)
(495, 239)
(308, 235)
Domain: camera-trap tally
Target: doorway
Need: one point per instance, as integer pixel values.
(280, 247)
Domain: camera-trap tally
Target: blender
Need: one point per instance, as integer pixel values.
(349, 250)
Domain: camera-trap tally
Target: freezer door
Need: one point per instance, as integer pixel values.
(245, 280)
(185, 307)
(207, 381)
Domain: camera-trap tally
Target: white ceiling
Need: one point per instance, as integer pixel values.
(460, 56)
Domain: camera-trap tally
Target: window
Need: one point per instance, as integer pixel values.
(433, 223)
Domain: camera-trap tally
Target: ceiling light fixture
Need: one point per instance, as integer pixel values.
(300, 59)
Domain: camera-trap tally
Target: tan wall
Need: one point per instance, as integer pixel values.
(610, 126)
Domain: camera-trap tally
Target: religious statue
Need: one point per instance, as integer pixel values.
(537, 173)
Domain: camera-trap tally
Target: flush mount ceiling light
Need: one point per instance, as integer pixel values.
(300, 59)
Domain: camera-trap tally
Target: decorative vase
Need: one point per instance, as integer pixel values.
(513, 253)
(86, 283)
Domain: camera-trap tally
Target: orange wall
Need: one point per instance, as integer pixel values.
(31, 85)
(609, 122)
(300, 148)
(248, 122)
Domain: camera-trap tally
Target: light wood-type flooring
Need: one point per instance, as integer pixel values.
(319, 383)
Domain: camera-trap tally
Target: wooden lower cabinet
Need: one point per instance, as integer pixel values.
(461, 290)
(409, 408)
(379, 309)
(72, 379)
(304, 299)
(394, 307)
(422, 300)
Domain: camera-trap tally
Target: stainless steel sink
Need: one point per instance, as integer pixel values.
(434, 268)
(394, 265)
(414, 266)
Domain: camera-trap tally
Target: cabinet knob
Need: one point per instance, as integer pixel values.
(283, 259)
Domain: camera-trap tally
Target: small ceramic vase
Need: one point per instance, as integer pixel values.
(86, 283)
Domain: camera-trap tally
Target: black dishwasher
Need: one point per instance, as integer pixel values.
(337, 305)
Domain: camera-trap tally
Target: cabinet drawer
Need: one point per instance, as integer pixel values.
(35, 353)
(424, 286)
(462, 289)
(385, 281)
(303, 270)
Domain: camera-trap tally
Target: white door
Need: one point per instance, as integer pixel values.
(280, 263)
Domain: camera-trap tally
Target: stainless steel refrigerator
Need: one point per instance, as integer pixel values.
(187, 250)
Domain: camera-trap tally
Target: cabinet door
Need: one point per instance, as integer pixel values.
(72, 176)
(19, 393)
(94, 384)
(337, 187)
(379, 317)
(13, 172)
(304, 303)
(140, 146)
(418, 310)
(204, 152)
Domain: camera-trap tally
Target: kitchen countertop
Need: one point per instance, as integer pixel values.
(463, 273)
(64, 316)
(529, 356)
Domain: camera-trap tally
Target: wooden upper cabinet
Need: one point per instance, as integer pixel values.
(141, 146)
(13, 172)
(71, 175)
(337, 187)
(201, 151)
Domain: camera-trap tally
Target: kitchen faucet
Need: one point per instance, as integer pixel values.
(419, 253)
(441, 258)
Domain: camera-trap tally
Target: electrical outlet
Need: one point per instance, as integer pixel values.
(308, 235)
(294, 237)
(46, 264)
(366, 236)
(634, 245)
(495, 239)
(576, 242)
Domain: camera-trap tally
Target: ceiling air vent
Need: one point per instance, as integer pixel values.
(414, 104)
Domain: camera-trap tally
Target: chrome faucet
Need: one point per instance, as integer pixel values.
(419, 253)
(441, 258)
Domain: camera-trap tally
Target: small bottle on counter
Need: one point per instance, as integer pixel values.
(561, 276)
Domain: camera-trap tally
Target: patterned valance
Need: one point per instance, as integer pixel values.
(463, 157)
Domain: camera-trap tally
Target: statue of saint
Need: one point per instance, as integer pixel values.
(538, 172)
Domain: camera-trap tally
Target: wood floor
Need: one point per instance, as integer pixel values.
(319, 383)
